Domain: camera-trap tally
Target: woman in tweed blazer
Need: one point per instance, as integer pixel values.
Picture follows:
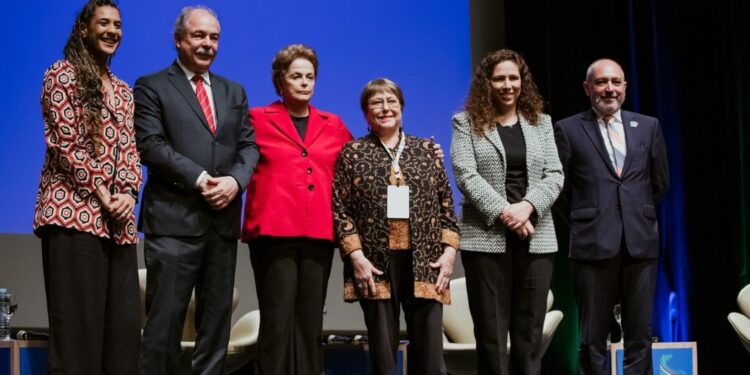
(506, 165)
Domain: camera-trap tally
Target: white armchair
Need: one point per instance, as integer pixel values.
(459, 345)
(741, 321)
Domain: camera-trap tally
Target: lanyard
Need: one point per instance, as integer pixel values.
(395, 159)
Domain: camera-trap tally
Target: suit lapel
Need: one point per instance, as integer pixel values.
(281, 120)
(110, 103)
(630, 138)
(494, 138)
(179, 81)
(315, 125)
(527, 135)
(591, 127)
(111, 107)
(218, 89)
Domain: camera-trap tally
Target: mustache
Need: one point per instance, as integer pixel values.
(599, 99)
(205, 51)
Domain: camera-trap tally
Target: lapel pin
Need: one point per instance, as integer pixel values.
(634, 124)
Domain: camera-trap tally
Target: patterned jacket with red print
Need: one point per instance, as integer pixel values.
(74, 167)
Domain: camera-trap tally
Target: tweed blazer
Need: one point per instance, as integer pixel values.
(479, 167)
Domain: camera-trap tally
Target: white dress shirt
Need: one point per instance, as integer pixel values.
(617, 126)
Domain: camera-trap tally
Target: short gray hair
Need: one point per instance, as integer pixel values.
(379, 85)
(180, 23)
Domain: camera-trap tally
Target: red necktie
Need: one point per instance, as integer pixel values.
(200, 92)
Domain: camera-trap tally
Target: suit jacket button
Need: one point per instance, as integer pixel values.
(309, 170)
(618, 206)
(304, 153)
(311, 187)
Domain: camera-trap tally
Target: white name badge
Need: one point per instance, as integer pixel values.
(398, 202)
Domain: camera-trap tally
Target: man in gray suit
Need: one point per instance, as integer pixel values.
(616, 172)
(193, 135)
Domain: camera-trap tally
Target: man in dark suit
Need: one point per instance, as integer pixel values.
(193, 135)
(616, 172)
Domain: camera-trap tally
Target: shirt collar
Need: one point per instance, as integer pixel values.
(115, 81)
(617, 116)
(189, 74)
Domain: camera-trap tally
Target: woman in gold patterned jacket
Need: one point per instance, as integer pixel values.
(395, 224)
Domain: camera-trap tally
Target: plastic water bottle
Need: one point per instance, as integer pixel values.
(5, 314)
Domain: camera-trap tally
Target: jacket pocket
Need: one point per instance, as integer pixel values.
(582, 214)
(649, 211)
(172, 218)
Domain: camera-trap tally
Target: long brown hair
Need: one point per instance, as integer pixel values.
(78, 52)
(480, 105)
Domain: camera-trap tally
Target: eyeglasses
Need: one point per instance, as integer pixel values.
(380, 104)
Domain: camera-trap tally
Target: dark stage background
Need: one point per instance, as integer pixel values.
(687, 63)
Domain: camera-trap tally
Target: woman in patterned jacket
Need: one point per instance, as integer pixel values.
(85, 204)
(506, 165)
(394, 221)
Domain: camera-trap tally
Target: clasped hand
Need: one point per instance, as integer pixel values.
(119, 206)
(218, 191)
(516, 218)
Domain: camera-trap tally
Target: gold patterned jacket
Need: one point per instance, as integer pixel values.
(360, 187)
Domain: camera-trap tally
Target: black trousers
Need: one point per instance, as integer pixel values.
(508, 293)
(291, 280)
(424, 319)
(175, 266)
(598, 284)
(93, 303)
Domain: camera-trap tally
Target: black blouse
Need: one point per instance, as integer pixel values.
(516, 180)
(301, 124)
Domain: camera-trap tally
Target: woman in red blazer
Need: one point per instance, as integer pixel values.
(288, 219)
(84, 208)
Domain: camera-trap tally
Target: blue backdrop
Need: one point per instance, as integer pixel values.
(424, 47)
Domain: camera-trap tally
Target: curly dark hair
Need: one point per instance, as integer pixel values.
(78, 52)
(284, 59)
(480, 105)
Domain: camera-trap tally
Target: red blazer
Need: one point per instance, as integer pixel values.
(290, 192)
